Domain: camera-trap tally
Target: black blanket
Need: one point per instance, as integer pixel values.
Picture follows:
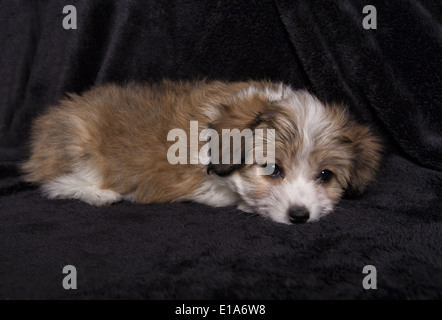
(391, 78)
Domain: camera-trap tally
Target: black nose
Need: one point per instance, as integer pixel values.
(298, 215)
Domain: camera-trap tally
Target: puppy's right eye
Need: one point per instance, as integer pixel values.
(275, 169)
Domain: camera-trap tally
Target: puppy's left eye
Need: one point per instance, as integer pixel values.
(325, 176)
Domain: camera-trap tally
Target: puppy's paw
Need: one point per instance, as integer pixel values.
(71, 187)
(244, 207)
(101, 197)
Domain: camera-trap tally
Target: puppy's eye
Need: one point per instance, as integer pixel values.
(325, 176)
(275, 169)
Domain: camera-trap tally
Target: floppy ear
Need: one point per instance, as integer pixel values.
(232, 119)
(366, 150)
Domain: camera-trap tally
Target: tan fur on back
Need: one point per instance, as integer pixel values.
(123, 132)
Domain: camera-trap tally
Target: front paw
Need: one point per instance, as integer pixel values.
(244, 207)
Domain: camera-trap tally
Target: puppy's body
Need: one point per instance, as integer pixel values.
(111, 144)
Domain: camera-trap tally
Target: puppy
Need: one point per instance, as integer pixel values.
(120, 142)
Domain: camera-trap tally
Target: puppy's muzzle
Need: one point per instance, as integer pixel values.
(299, 214)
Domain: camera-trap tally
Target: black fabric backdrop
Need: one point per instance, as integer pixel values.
(390, 77)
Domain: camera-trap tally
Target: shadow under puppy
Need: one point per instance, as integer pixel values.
(111, 143)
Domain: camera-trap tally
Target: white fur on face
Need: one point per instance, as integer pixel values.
(299, 190)
(299, 187)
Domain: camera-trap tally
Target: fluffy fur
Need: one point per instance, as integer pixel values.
(111, 144)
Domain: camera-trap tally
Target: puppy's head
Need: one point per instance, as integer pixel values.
(319, 153)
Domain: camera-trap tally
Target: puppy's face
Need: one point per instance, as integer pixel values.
(320, 153)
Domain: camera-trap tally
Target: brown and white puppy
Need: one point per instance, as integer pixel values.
(111, 143)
